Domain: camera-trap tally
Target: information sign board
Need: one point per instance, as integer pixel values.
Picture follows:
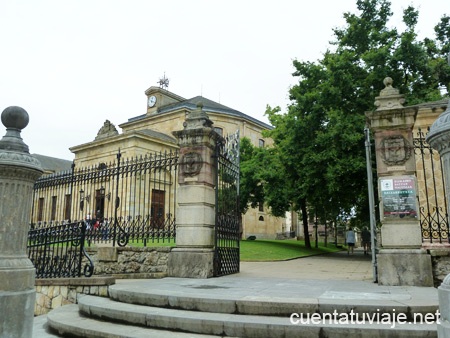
(399, 197)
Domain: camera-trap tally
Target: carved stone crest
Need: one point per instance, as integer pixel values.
(191, 164)
(395, 150)
(108, 129)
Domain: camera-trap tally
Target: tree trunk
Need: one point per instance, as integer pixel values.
(305, 223)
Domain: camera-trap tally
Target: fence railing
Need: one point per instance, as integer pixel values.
(126, 200)
(59, 251)
(228, 218)
(432, 198)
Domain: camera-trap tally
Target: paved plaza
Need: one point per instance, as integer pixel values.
(331, 266)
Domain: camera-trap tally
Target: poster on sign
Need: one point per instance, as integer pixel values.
(398, 195)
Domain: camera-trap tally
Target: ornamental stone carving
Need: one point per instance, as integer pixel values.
(108, 129)
(389, 97)
(395, 150)
(191, 164)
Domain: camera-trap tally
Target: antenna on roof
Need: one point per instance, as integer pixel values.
(164, 82)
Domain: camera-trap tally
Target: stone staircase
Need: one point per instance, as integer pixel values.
(132, 311)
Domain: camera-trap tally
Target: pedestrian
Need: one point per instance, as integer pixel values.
(88, 221)
(365, 240)
(350, 239)
(105, 229)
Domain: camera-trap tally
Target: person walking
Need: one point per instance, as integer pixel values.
(350, 239)
(365, 240)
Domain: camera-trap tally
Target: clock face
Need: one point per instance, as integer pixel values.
(151, 101)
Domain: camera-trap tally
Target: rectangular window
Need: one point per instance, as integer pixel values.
(157, 208)
(261, 206)
(40, 208)
(67, 206)
(261, 143)
(99, 203)
(218, 131)
(53, 208)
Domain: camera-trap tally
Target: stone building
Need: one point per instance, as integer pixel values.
(151, 132)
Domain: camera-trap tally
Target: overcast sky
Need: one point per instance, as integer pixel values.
(73, 64)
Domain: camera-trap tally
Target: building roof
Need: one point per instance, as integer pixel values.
(208, 106)
(432, 104)
(53, 164)
(158, 135)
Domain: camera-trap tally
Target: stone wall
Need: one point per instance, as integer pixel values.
(52, 293)
(130, 262)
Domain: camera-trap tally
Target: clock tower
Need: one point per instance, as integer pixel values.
(158, 97)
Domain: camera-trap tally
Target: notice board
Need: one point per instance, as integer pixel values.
(398, 196)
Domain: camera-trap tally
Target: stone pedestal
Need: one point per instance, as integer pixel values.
(193, 256)
(404, 267)
(18, 173)
(401, 260)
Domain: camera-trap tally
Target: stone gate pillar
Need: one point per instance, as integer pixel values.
(193, 256)
(401, 259)
(18, 173)
(439, 138)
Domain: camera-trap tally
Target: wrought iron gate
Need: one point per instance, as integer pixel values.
(432, 197)
(58, 251)
(123, 201)
(228, 218)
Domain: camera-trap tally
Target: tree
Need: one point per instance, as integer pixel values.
(319, 141)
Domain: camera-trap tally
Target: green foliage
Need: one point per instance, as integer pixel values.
(318, 161)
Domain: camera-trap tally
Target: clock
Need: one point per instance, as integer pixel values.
(151, 101)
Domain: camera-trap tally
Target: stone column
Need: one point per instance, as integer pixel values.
(401, 260)
(439, 138)
(18, 173)
(193, 256)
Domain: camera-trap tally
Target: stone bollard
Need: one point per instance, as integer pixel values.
(443, 326)
(18, 173)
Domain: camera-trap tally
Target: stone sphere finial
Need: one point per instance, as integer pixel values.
(15, 117)
(388, 81)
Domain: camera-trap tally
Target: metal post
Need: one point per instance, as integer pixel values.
(371, 204)
(117, 201)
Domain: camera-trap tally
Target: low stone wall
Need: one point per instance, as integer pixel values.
(440, 261)
(55, 292)
(130, 262)
(109, 263)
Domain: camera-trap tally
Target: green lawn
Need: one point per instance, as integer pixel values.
(267, 250)
(277, 250)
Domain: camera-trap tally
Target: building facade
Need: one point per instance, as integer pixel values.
(150, 134)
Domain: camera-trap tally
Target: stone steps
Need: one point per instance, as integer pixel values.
(245, 307)
(217, 300)
(69, 321)
(99, 317)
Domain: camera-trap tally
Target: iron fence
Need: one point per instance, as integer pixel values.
(431, 192)
(228, 217)
(58, 251)
(131, 200)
